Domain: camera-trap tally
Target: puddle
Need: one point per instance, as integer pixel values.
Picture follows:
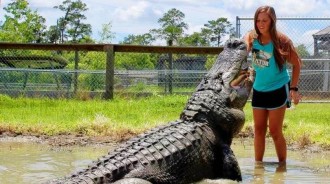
(26, 163)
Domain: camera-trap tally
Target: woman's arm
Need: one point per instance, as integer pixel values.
(295, 61)
(248, 40)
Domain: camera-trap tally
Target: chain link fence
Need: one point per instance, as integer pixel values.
(311, 37)
(42, 73)
(74, 73)
(71, 71)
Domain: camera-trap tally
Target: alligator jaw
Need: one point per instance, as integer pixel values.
(225, 69)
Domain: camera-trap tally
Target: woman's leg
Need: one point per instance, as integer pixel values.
(260, 117)
(276, 118)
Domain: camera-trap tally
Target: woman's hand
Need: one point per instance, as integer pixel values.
(243, 75)
(295, 96)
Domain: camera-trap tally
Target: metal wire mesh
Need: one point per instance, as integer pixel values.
(69, 72)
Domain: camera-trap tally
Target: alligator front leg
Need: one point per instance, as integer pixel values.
(229, 167)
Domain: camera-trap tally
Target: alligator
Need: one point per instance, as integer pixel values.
(194, 147)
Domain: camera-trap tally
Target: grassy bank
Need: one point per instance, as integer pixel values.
(307, 123)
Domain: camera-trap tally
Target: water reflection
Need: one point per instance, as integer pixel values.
(278, 175)
(25, 163)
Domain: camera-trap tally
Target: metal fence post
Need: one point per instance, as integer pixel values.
(170, 60)
(326, 76)
(109, 72)
(238, 24)
(76, 68)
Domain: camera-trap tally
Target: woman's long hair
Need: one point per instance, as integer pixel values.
(278, 52)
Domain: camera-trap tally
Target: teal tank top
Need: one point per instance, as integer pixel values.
(268, 76)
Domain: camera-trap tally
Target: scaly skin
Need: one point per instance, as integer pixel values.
(192, 148)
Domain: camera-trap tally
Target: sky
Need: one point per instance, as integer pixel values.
(139, 16)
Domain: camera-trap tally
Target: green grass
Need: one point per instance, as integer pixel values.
(308, 122)
(92, 117)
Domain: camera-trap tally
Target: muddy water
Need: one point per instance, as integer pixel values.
(26, 162)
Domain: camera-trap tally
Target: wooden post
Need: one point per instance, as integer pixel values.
(109, 72)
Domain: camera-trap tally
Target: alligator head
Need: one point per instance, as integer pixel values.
(226, 68)
(215, 100)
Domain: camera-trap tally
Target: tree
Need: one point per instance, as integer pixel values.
(217, 29)
(195, 39)
(22, 24)
(71, 24)
(172, 26)
(106, 35)
(145, 39)
(302, 51)
(134, 61)
(53, 34)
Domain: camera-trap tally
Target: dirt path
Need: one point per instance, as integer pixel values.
(82, 140)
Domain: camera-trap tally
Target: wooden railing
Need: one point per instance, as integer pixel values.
(110, 50)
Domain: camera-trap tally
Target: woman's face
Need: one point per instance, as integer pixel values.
(263, 23)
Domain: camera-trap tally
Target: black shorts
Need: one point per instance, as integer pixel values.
(271, 99)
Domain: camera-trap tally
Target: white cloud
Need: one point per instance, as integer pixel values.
(297, 7)
(240, 5)
(44, 4)
(194, 28)
(139, 16)
(131, 13)
(309, 41)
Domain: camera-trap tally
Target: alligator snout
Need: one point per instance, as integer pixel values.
(236, 44)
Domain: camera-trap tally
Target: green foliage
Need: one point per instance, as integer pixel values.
(210, 61)
(172, 26)
(140, 86)
(133, 61)
(144, 39)
(71, 24)
(217, 29)
(106, 35)
(92, 82)
(24, 25)
(53, 34)
(302, 51)
(21, 24)
(196, 39)
(71, 28)
(20, 77)
(93, 61)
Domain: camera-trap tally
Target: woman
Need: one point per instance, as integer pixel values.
(273, 88)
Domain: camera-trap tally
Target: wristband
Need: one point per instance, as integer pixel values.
(294, 88)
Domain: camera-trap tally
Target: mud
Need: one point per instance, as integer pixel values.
(83, 140)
